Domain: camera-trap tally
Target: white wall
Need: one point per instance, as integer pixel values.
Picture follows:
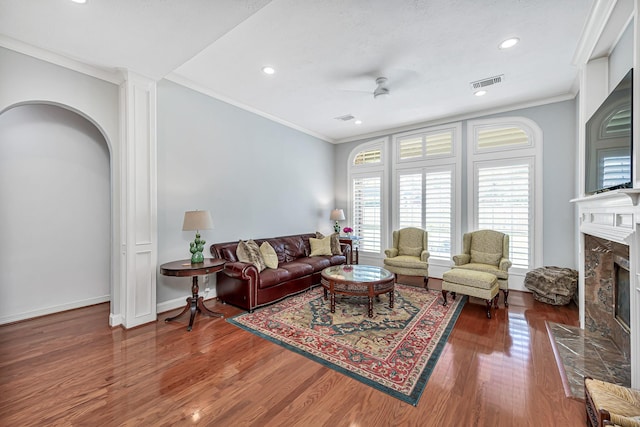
(55, 216)
(257, 178)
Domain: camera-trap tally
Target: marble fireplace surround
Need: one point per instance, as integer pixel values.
(599, 290)
(608, 226)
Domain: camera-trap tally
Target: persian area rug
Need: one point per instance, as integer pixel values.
(394, 351)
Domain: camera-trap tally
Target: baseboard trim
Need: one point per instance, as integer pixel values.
(54, 309)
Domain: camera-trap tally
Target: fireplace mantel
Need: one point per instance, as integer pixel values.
(614, 216)
(633, 194)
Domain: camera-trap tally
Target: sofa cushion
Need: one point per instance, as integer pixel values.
(250, 252)
(320, 247)
(335, 242)
(297, 269)
(271, 277)
(487, 268)
(269, 255)
(318, 263)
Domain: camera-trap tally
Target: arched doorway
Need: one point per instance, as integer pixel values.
(55, 223)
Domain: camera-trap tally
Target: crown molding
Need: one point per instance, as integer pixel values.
(463, 116)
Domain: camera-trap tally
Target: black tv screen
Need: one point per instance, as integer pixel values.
(609, 141)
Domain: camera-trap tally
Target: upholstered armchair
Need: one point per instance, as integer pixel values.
(486, 251)
(409, 255)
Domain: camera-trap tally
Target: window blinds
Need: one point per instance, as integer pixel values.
(367, 210)
(503, 204)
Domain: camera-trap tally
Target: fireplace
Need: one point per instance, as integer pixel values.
(621, 292)
(607, 289)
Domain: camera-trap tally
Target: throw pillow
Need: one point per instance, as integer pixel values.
(269, 255)
(320, 247)
(250, 252)
(405, 250)
(335, 242)
(478, 257)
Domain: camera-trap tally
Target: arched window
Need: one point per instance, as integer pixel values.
(367, 177)
(505, 186)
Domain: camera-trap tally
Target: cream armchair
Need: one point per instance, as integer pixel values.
(486, 251)
(409, 255)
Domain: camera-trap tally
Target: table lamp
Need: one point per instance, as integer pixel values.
(337, 215)
(197, 220)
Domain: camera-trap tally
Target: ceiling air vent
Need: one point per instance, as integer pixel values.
(479, 84)
(345, 118)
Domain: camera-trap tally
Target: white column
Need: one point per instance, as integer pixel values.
(138, 200)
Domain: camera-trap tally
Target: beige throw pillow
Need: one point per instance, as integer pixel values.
(250, 252)
(405, 250)
(269, 255)
(485, 258)
(320, 247)
(335, 242)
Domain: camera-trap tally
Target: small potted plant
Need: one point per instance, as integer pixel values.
(348, 230)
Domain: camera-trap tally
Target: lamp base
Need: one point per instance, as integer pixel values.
(336, 227)
(196, 247)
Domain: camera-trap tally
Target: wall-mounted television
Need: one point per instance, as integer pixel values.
(609, 142)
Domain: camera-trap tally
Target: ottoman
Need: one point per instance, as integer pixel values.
(473, 283)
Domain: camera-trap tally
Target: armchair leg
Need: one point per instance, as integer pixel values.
(426, 282)
(444, 298)
(506, 295)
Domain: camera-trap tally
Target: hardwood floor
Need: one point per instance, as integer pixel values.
(71, 368)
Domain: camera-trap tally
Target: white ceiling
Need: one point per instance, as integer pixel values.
(327, 53)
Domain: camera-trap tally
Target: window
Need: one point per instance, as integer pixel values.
(367, 212)
(425, 184)
(503, 204)
(505, 187)
(425, 144)
(367, 177)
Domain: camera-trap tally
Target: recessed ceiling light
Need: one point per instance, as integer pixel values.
(268, 70)
(480, 93)
(509, 43)
(358, 122)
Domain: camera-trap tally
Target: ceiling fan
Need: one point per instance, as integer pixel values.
(381, 89)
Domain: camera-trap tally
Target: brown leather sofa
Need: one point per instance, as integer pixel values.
(240, 284)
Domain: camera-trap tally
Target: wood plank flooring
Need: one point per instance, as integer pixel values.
(71, 368)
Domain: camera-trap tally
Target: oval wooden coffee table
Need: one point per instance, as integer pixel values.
(357, 280)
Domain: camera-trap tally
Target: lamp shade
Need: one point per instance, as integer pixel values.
(197, 220)
(337, 215)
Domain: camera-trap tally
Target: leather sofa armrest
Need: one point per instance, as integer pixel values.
(505, 264)
(461, 259)
(424, 256)
(240, 270)
(391, 252)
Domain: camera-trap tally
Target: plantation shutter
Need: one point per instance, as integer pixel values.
(367, 212)
(367, 157)
(425, 145)
(410, 200)
(503, 137)
(425, 200)
(503, 204)
(439, 212)
(438, 144)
